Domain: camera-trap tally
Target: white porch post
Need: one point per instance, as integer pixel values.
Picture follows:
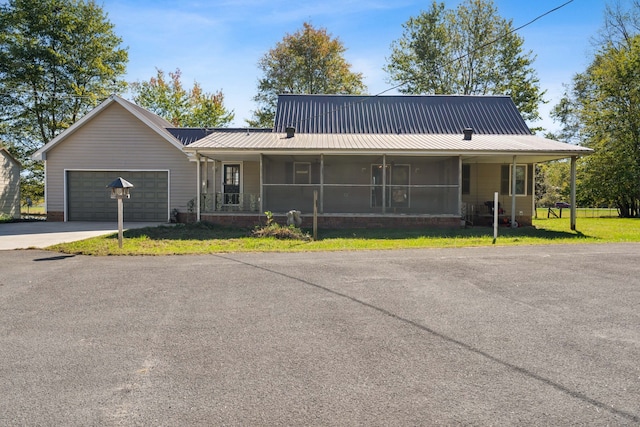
(261, 183)
(533, 195)
(513, 192)
(199, 186)
(384, 183)
(205, 182)
(460, 186)
(321, 183)
(573, 193)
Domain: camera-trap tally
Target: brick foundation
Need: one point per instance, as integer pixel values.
(333, 221)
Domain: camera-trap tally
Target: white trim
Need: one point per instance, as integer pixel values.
(66, 187)
(512, 184)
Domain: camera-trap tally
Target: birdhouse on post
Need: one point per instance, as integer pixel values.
(120, 190)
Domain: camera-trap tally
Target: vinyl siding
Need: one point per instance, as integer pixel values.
(9, 186)
(485, 181)
(116, 140)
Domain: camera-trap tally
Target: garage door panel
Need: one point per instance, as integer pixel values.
(88, 199)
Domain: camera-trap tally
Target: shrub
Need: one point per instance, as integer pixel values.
(273, 229)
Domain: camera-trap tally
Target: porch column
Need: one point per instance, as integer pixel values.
(460, 186)
(533, 195)
(573, 193)
(513, 192)
(384, 183)
(205, 182)
(261, 183)
(199, 185)
(321, 183)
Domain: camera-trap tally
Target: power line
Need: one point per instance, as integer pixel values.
(489, 43)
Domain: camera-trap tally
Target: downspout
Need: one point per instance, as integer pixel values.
(573, 193)
(384, 183)
(199, 185)
(513, 193)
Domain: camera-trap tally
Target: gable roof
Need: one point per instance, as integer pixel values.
(154, 122)
(405, 125)
(6, 153)
(399, 114)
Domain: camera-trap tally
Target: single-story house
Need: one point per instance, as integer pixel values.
(359, 161)
(9, 184)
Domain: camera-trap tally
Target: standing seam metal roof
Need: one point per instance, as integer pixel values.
(401, 114)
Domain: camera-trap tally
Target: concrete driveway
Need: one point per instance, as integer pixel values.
(40, 234)
(493, 336)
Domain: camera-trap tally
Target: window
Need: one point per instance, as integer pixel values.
(466, 179)
(301, 173)
(506, 174)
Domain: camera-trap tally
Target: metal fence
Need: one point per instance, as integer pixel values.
(580, 213)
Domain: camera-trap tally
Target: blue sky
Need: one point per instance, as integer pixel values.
(219, 43)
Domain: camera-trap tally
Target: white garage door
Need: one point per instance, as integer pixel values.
(88, 198)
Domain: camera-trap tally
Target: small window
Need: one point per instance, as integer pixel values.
(506, 184)
(301, 173)
(466, 179)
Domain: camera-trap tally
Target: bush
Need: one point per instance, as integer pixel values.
(273, 229)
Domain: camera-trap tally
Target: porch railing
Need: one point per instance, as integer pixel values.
(230, 202)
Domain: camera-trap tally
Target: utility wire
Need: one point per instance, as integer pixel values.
(489, 43)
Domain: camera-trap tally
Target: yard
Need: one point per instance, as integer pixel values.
(204, 238)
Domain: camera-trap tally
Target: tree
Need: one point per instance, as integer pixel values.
(601, 109)
(467, 51)
(306, 62)
(182, 107)
(58, 59)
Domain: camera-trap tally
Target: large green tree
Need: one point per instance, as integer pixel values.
(468, 51)
(58, 59)
(601, 109)
(182, 107)
(306, 62)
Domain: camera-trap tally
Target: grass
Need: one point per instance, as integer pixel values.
(184, 239)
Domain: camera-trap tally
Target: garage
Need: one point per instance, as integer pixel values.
(88, 199)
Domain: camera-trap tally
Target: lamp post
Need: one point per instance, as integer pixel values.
(120, 190)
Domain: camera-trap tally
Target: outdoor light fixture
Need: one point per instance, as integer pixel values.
(120, 190)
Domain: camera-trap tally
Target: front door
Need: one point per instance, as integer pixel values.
(231, 184)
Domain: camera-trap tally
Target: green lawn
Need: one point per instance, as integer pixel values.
(203, 238)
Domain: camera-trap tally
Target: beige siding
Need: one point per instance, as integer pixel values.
(250, 176)
(485, 181)
(251, 171)
(9, 186)
(117, 140)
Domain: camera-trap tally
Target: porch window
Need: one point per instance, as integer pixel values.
(301, 173)
(466, 179)
(506, 184)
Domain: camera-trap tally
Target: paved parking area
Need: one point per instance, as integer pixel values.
(540, 335)
(41, 234)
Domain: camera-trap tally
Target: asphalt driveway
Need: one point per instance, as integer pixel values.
(476, 336)
(41, 234)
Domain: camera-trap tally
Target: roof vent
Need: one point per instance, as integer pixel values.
(291, 131)
(467, 134)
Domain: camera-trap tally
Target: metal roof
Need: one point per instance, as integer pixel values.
(441, 143)
(189, 135)
(399, 114)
